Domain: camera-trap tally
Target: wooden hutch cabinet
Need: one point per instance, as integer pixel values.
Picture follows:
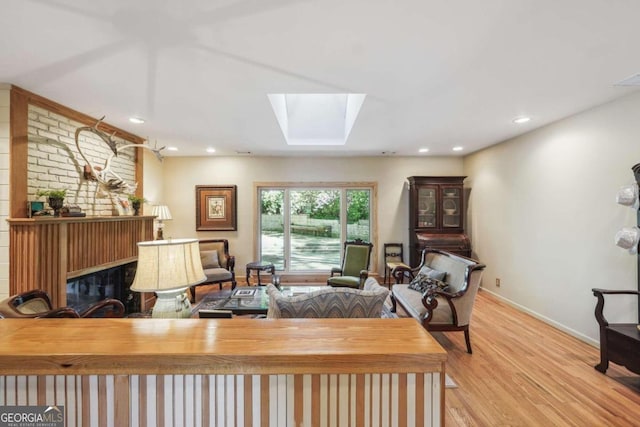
(436, 215)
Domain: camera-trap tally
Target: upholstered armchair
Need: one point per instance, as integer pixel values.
(217, 264)
(329, 302)
(355, 265)
(37, 304)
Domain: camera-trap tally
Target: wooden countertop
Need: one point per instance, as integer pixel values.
(216, 346)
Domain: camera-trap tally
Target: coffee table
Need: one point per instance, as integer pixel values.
(252, 299)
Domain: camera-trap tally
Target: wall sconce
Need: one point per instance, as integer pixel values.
(169, 268)
(162, 213)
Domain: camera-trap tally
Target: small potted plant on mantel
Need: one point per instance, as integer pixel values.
(136, 203)
(55, 199)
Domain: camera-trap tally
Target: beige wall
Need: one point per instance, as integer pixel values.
(182, 174)
(153, 184)
(4, 190)
(543, 216)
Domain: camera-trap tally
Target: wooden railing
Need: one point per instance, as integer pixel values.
(240, 372)
(45, 252)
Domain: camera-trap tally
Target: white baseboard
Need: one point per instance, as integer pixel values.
(545, 319)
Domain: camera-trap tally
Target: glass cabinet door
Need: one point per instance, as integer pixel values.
(451, 198)
(427, 207)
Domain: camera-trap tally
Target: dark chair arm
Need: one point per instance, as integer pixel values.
(600, 293)
(336, 270)
(63, 312)
(430, 302)
(231, 262)
(614, 292)
(400, 271)
(364, 274)
(32, 294)
(111, 308)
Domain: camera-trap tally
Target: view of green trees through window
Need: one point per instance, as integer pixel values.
(302, 229)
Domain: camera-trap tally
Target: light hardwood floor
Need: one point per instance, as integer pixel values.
(524, 372)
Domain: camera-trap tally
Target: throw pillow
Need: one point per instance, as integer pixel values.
(433, 273)
(209, 259)
(422, 283)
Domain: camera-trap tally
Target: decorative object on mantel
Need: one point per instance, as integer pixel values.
(136, 203)
(169, 268)
(55, 199)
(162, 213)
(109, 181)
(72, 211)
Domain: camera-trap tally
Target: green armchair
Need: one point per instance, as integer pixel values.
(355, 265)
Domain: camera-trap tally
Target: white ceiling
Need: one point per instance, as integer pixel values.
(436, 73)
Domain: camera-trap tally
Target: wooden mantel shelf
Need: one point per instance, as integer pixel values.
(45, 252)
(55, 220)
(199, 346)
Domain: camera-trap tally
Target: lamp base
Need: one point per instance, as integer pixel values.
(160, 236)
(173, 304)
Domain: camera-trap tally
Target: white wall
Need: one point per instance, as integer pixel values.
(4, 189)
(543, 216)
(182, 174)
(153, 187)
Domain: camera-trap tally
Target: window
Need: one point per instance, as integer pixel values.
(302, 228)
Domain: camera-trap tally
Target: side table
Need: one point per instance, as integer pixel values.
(257, 266)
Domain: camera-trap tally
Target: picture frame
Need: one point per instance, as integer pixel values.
(216, 208)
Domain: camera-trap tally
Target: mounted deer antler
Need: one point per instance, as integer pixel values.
(110, 181)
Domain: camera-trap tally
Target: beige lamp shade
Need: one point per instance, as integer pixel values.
(161, 212)
(168, 264)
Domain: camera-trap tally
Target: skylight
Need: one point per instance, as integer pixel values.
(316, 118)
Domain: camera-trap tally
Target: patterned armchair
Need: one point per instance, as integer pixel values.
(329, 302)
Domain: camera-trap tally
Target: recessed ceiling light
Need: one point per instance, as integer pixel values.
(172, 148)
(211, 150)
(136, 120)
(423, 150)
(520, 120)
(457, 148)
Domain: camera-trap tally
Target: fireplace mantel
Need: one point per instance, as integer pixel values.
(45, 252)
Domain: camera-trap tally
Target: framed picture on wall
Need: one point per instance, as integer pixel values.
(215, 208)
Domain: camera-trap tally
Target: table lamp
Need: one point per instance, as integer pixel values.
(169, 268)
(161, 213)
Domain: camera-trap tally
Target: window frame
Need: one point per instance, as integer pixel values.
(342, 185)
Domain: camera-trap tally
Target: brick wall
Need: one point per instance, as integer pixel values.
(4, 190)
(56, 163)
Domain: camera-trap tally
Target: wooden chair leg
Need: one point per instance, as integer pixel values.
(467, 340)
